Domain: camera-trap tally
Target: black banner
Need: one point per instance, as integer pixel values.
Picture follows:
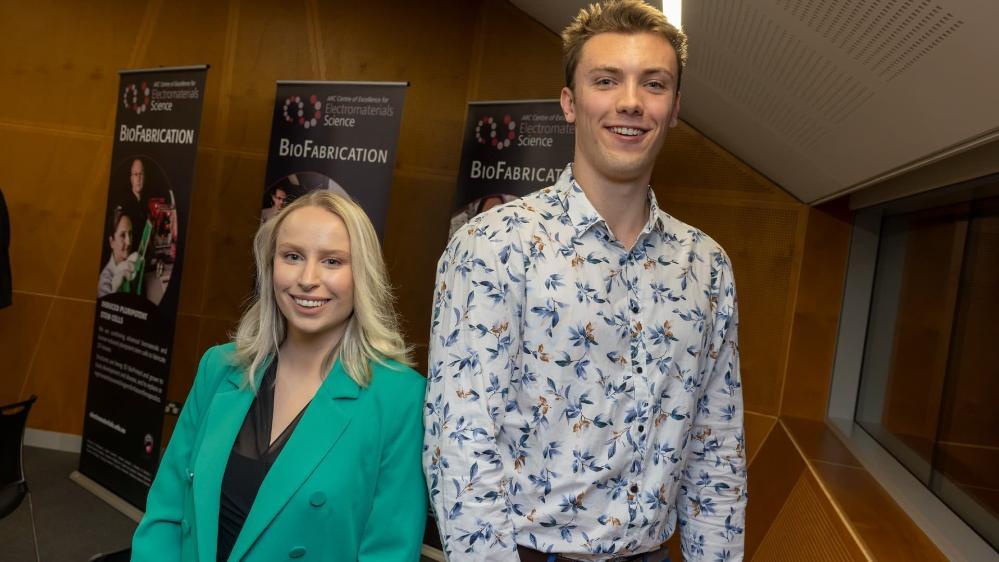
(339, 136)
(148, 205)
(511, 148)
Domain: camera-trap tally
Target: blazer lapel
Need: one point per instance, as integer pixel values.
(322, 424)
(221, 424)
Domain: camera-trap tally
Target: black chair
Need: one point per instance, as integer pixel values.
(13, 486)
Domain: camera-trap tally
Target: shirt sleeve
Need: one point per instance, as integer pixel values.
(474, 344)
(711, 503)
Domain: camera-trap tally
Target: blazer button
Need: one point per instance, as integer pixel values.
(317, 499)
(297, 552)
(185, 527)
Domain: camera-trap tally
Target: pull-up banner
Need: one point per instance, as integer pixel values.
(511, 148)
(148, 205)
(339, 136)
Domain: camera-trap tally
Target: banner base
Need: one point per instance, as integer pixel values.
(431, 553)
(108, 496)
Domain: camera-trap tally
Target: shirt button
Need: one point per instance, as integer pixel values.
(641, 428)
(634, 309)
(634, 488)
(638, 370)
(317, 499)
(297, 552)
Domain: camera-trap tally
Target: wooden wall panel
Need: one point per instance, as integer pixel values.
(271, 44)
(415, 237)
(426, 44)
(61, 58)
(47, 179)
(772, 475)
(816, 317)
(85, 236)
(758, 427)
(817, 442)
(21, 326)
(884, 528)
(59, 371)
(518, 57)
(199, 247)
(807, 529)
(236, 216)
(693, 164)
(189, 32)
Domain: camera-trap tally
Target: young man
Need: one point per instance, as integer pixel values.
(584, 398)
(278, 198)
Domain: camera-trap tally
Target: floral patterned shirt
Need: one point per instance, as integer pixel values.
(584, 398)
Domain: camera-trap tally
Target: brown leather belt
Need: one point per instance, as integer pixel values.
(529, 555)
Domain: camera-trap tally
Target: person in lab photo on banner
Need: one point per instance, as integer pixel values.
(475, 208)
(584, 399)
(135, 200)
(300, 438)
(121, 265)
(278, 197)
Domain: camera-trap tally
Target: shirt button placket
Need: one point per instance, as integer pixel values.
(637, 343)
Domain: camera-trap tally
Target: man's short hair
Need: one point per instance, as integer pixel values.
(619, 16)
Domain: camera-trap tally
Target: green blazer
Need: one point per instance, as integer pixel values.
(348, 484)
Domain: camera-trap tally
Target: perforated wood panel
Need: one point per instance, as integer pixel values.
(887, 36)
(826, 96)
(805, 530)
(787, 84)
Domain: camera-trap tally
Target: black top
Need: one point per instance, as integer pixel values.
(251, 458)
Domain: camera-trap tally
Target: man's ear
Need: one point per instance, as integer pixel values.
(674, 117)
(568, 105)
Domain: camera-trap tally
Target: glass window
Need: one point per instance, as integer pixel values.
(930, 376)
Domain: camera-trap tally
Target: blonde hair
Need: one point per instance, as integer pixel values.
(619, 16)
(372, 332)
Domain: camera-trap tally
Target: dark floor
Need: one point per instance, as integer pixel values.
(72, 524)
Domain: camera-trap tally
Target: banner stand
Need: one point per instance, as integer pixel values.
(150, 187)
(107, 496)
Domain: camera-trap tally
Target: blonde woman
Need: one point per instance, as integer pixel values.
(301, 438)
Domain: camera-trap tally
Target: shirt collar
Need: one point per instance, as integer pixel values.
(579, 213)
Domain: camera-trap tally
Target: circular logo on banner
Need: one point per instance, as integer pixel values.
(131, 98)
(496, 133)
(302, 112)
